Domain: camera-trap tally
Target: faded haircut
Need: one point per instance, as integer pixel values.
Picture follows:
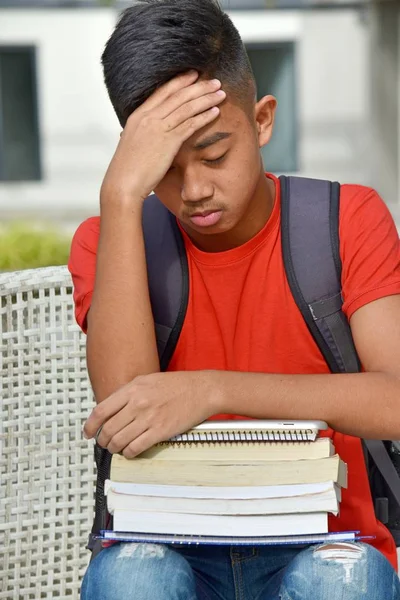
(156, 40)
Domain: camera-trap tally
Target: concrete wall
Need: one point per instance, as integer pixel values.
(384, 54)
(78, 128)
(332, 76)
(80, 131)
(333, 95)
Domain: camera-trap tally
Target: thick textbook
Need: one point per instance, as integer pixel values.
(229, 472)
(257, 500)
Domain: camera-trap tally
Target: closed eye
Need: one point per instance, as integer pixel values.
(216, 161)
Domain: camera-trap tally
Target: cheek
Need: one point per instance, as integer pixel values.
(244, 171)
(168, 192)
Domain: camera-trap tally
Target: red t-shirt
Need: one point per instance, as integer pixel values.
(242, 316)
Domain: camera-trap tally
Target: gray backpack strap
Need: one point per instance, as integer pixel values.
(168, 277)
(381, 458)
(310, 244)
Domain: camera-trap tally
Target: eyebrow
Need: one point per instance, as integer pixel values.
(212, 139)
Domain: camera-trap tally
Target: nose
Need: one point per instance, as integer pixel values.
(196, 187)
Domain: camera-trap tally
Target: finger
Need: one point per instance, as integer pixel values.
(183, 96)
(169, 89)
(142, 443)
(126, 436)
(115, 425)
(194, 108)
(103, 412)
(191, 126)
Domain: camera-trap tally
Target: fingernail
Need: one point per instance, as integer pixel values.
(216, 81)
(221, 93)
(85, 435)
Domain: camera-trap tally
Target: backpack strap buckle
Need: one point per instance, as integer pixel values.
(327, 307)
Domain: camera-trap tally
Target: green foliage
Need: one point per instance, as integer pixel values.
(25, 246)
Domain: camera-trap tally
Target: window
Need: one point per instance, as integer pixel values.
(19, 131)
(274, 69)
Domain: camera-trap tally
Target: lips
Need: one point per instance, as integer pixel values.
(205, 213)
(207, 218)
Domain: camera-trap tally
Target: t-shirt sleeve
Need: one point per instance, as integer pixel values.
(82, 266)
(369, 248)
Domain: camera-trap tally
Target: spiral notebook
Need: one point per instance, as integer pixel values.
(341, 536)
(252, 431)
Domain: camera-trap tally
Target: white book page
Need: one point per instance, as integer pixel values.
(239, 492)
(179, 523)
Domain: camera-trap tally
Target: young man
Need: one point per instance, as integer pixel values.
(182, 87)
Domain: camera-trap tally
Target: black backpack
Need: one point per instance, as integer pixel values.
(310, 245)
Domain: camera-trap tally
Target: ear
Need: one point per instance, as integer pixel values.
(265, 118)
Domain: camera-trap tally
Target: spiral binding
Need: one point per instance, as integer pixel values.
(195, 540)
(237, 436)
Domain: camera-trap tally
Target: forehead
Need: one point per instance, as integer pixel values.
(232, 119)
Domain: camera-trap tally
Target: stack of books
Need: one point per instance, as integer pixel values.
(229, 482)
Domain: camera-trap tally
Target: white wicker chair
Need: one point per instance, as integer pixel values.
(46, 466)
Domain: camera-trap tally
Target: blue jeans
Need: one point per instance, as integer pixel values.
(324, 572)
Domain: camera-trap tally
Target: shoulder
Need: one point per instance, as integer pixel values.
(369, 248)
(87, 234)
(361, 205)
(364, 220)
(84, 245)
(82, 266)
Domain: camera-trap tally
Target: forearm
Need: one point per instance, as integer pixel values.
(366, 405)
(121, 340)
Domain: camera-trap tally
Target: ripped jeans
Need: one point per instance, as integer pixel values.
(326, 572)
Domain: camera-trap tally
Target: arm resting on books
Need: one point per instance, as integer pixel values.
(364, 404)
(156, 407)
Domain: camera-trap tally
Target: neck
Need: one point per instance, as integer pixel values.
(256, 217)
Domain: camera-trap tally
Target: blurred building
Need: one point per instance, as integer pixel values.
(334, 68)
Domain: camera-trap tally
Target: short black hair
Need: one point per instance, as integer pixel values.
(156, 40)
